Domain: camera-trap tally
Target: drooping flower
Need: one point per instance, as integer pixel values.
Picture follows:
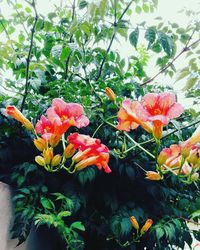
(64, 115)
(17, 115)
(128, 119)
(159, 109)
(146, 226)
(90, 152)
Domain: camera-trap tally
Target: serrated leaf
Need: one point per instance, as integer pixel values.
(133, 37)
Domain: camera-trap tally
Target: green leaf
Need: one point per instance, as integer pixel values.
(138, 9)
(83, 4)
(65, 53)
(64, 214)
(150, 34)
(145, 8)
(167, 43)
(190, 83)
(159, 233)
(182, 75)
(196, 214)
(133, 37)
(86, 175)
(78, 225)
(156, 47)
(46, 203)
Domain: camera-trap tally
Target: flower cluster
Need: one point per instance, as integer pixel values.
(50, 130)
(152, 113)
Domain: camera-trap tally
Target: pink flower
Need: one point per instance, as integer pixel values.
(159, 109)
(90, 152)
(128, 119)
(64, 115)
(45, 128)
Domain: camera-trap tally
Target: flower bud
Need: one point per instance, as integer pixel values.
(110, 93)
(40, 160)
(48, 155)
(54, 140)
(146, 226)
(69, 151)
(40, 143)
(134, 222)
(56, 160)
(164, 154)
(17, 115)
(194, 177)
(153, 176)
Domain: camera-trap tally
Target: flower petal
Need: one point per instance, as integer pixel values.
(166, 100)
(175, 111)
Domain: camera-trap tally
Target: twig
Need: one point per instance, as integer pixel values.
(70, 40)
(112, 38)
(186, 48)
(27, 83)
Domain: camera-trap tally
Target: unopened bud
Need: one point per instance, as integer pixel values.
(164, 154)
(56, 160)
(134, 222)
(40, 143)
(48, 155)
(194, 177)
(110, 93)
(54, 140)
(153, 176)
(40, 160)
(69, 151)
(146, 226)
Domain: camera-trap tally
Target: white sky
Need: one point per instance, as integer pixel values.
(167, 9)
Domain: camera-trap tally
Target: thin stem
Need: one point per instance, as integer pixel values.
(138, 145)
(27, 82)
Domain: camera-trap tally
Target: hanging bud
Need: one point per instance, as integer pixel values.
(40, 160)
(69, 151)
(54, 140)
(40, 143)
(153, 176)
(111, 95)
(17, 115)
(146, 226)
(134, 222)
(56, 160)
(48, 155)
